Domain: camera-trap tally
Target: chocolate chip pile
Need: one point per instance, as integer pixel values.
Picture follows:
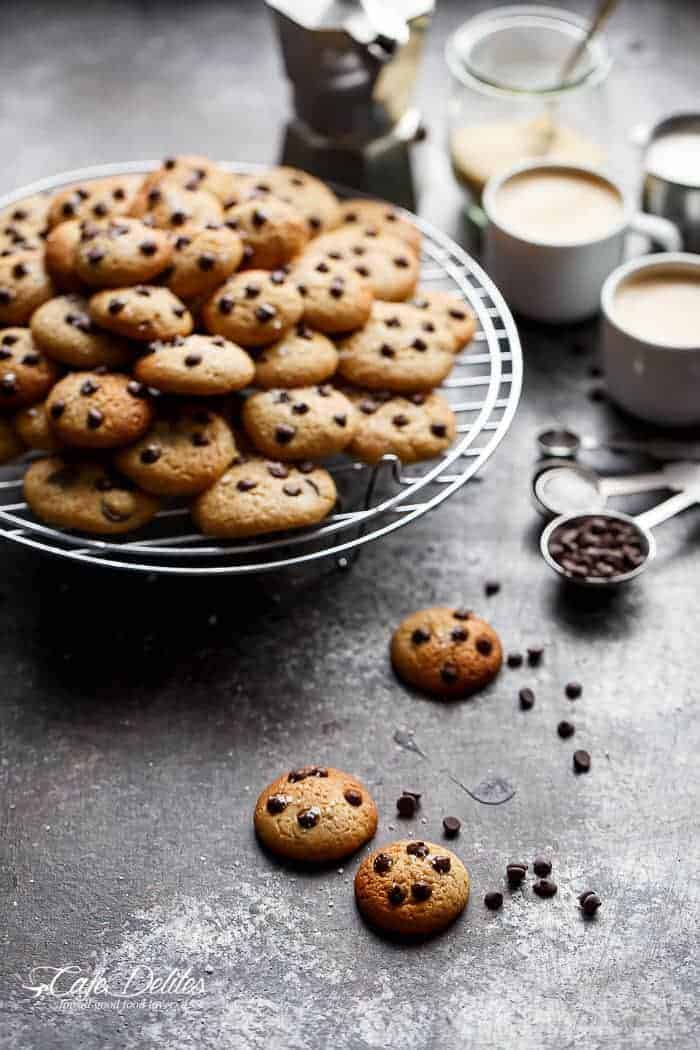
(597, 547)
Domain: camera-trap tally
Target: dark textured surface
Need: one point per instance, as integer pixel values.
(139, 719)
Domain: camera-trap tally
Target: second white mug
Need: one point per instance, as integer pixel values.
(551, 265)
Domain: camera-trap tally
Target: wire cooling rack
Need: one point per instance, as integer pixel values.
(483, 390)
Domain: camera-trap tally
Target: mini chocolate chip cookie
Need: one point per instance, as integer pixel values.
(11, 444)
(254, 308)
(144, 313)
(170, 206)
(94, 410)
(120, 252)
(257, 496)
(301, 358)
(94, 199)
(311, 197)
(388, 265)
(411, 888)
(183, 453)
(336, 299)
(304, 423)
(61, 244)
(447, 652)
(26, 219)
(86, 496)
(196, 365)
(397, 350)
(370, 217)
(202, 260)
(414, 428)
(273, 232)
(315, 814)
(24, 285)
(32, 426)
(26, 374)
(449, 311)
(194, 172)
(64, 330)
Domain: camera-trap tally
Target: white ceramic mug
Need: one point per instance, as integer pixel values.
(656, 382)
(561, 283)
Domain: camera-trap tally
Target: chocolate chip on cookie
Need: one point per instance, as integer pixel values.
(24, 285)
(202, 260)
(121, 252)
(193, 171)
(257, 496)
(141, 312)
(26, 374)
(184, 452)
(445, 309)
(303, 423)
(411, 888)
(414, 428)
(254, 308)
(64, 330)
(388, 265)
(315, 201)
(96, 410)
(371, 217)
(86, 496)
(316, 814)
(445, 652)
(195, 365)
(301, 358)
(171, 206)
(273, 232)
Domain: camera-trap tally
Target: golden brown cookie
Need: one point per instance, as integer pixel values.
(388, 265)
(202, 260)
(301, 358)
(315, 814)
(24, 285)
(399, 349)
(447, 652)
(94, 199)
(184, 452)
(143, 312)
(61, 244)
(192, 171)
(170, 206)
(26, 374)
(312, 198)
(369, 217)
(11, 444)
(336, 299)
(304, 423)
(86, 496)
(94, 410)
(196, 365)
(449, 311)
(32, 426)
(257, 496)
(120, 252)
(414, 428)
(272, 232)
(64, 330)
(254, 308)
(411, 888)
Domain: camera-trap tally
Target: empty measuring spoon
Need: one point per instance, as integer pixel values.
(561, 442)
(608, 548)
(569, 488)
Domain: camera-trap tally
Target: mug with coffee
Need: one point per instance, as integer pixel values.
(554, 233)
(651, 337)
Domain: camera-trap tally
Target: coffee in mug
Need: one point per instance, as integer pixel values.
(660, 306)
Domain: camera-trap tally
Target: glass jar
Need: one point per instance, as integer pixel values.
(509, 102)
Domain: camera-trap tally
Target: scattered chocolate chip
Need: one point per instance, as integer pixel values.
(527, 699)
(382, 863)
(590, 902)
(566, 729)
(421, 891)
(353, 797)
(582, 761)
(441, 865)
(544, 888)
(534, 656)
(406, 805)
(541, 866)
(94, 418)
(451, 826)
(573, 690)
(493, 900)
(396, 894)
(515, 873)
(309, 818)
(491, 587)
(514, 660)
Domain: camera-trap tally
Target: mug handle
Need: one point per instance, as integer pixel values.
(658, 230)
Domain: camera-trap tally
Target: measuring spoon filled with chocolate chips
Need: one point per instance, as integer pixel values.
(604, 549)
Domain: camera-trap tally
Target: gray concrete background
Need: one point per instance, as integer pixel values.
(138, 720)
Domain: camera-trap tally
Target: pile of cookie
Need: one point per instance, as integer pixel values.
(214, 336)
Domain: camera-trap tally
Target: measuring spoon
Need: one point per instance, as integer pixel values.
(569, 488)
(640, 527)
(564, 443)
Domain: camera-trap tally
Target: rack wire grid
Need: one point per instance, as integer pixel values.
(483, 390)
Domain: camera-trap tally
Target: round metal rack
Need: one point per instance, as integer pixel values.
(483, 390)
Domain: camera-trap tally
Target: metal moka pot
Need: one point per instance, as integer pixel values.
(352, 66)
(671, 176)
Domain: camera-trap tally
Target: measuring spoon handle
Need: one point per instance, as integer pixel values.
(626, 486)
(668, 508)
